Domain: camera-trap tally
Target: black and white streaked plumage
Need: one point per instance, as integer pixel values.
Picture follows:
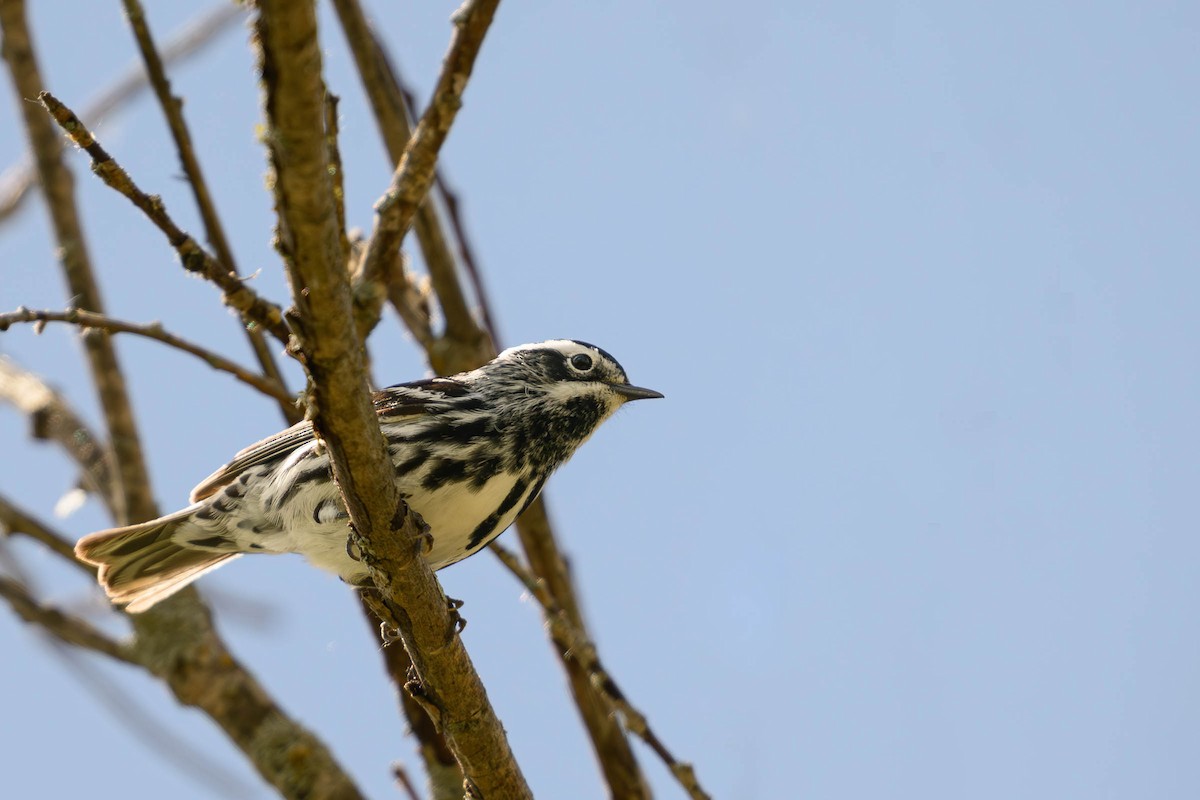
(471, 452)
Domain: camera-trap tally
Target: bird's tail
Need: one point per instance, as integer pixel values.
(142, 565)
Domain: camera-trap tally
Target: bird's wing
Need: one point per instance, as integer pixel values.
(397, 404)
(268, 449)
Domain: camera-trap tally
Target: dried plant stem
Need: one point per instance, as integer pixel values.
(154, 330)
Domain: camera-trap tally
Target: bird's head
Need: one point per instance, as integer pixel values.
(561, 370)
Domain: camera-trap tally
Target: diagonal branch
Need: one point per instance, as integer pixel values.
(465, 345)
(53, 419)
(64, 627)
(394, 118)
(415, 172)
(388, 535)
(154, 330)
(176, 641)
(172, 108)
(21, 177)
(194, 258)
(572, 641)
(16, 520)
(58, 189)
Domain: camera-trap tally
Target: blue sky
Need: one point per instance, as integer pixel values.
(916, 518)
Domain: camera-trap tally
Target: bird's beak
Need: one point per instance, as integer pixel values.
(635, 392)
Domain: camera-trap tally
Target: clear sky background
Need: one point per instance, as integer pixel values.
(919, 281)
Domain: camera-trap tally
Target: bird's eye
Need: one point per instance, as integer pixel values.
(581, 362)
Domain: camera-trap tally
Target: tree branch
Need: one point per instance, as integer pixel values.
(386, 96)
(15, 520)
(414, 173)
(154, 330)
(572, 641)
(176, 640)
(21, 177)
(58, 188)
(172, 108)
(344, 416)
(53, 419)
(194, 258)
(466, 345)
(62, 626)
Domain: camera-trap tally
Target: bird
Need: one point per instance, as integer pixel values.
(471, 451)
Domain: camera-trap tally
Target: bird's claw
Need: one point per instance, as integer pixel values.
(388, 634)
(457, 620)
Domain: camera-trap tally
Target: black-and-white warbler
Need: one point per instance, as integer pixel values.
(471, 452)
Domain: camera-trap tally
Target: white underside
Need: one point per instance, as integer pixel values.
(452, 514)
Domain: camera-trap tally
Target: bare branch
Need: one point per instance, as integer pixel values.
(63, 626)
(154, 330)
(53, 419)
(194, 258)
(575, 643)
(445, 776)
(386, 95)
(470, 264)
(15, 520)
(172, 108)
(175, 641)
(464, 346)
(415, 171)
(21, 177)
(58, 189)
(345, 418)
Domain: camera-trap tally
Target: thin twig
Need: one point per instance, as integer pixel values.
(194, 258)
(450, 198)
(16, 520)
(579, 648)
(172, 108)
(154, 330)
(394, 118)
(414, 173)
(21, 177)
(63, 626)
